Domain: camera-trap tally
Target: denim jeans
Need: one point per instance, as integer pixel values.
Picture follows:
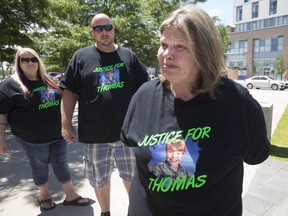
(41, 154)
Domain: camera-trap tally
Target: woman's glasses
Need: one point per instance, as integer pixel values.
(100, 28)
(26, 60)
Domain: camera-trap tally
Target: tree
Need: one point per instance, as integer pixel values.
(68, 31)
(223, 33)
(281, 64)
(136, 23)
(57, 28)
(16, 19)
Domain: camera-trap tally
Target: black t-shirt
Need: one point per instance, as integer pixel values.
(36, 119)
(105, 83)
(219, 134)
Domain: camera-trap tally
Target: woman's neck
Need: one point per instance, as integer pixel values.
(183, 93)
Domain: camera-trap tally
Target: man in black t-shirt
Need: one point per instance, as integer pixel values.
(102, 106)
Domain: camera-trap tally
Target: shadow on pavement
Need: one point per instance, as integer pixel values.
(69, 211)
(15, 177)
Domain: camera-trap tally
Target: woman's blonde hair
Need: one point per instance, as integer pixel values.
(204, 43)
(20, 77)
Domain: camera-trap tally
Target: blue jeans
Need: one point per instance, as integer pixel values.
(41, 154)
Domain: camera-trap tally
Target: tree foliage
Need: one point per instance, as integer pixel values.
(16, 19)
(224, 37)
(281, 64)
(57, 28)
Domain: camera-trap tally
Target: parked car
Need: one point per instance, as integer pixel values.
(286, 84)
(264, 82)
(55, 76)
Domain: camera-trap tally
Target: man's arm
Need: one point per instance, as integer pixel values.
(67, 109)
(3, 123)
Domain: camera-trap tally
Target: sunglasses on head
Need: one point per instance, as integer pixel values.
(26, 60)
(100, 28)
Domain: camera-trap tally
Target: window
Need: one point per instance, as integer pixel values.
(243, 46)
(239, 13)
(273, 7)
(274, 44)
(280, 43)
(239, 47)
(249, 26)
(266, 23)
(246, 1)
(272, 21)
(277, 43)
(254, 25)
(262, 44)
(269, 44)
(285, 20)
(255, 9)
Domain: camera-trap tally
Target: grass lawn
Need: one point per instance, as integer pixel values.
(279, 140)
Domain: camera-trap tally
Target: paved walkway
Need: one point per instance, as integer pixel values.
(265, 189)
(268, 191)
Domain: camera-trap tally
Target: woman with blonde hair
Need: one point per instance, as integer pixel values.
(36, 124)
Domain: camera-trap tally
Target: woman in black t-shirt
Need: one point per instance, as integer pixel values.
(36, 123)
(221, 123)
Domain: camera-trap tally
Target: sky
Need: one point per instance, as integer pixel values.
(221, 8)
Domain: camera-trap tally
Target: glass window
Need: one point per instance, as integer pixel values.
(261, 23)
(255, 9)
(273, 7)
(280, 43)
(272, 22)
(276, 21)
(285, 20)
(249, 26)
(281, 20)
(241, 27)
(244, 26)
(266, 23)
(268, 44)
(243, 46)
(280, 40)
(254, 25)
(256, 43)
(239, 13)
(262, 42)
(274, 44)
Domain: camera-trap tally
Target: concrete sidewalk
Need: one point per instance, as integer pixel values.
(267, 193)
(18, 194)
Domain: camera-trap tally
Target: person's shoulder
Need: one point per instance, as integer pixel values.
(149, 88)
(84, 50)
(151, 85)
(236, 94)
(8, 82)
(8, 85)
(125, 50)
(231, 88)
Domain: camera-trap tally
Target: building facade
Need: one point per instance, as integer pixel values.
(260, 36)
